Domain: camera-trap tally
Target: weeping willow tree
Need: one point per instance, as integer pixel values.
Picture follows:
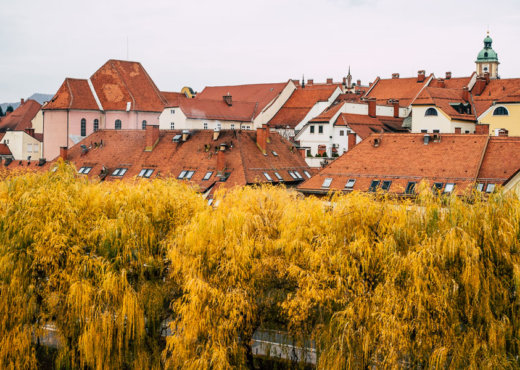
(87, 259)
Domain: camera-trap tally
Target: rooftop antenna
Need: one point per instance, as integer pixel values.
(303, 81)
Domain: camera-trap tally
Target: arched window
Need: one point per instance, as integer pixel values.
(431, 112)
(501, 111)
(144, 125)
(83, 127)
(118, 124)
(96, 125)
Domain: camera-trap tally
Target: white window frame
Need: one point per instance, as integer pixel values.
(326, 183)
(278, 176)
(182, 175)
(207, 176)
(189, 175)
(306, 173)
(268, 177)
(350, 184)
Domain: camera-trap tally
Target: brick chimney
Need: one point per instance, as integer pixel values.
(465, 93)
(151, 137)
(261, 139)
(29, 131)
(221, 160)
(479, 86)
(310, 82)
(228, 99)
(296, 82)
(421, 75)
(22, 101)
(440, 82)
(358, 83)
(395, 103)
(448, 75)
(63, 152)
(482, 129)
(329, 81)
(371, 107)
(458, 130)
(344, 81)
(303, 152)
(351, 137)
(395, 76)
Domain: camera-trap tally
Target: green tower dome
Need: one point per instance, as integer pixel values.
(487, 54)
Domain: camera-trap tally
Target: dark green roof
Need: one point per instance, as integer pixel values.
(487, 54)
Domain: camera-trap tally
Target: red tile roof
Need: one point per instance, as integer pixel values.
(364, 125)
(243, 159)
(262, 94)
(218, 110)
(118, 82)
(403, 89)
(506, 90)
(443, 98)
(21, 117)
(501, 161)
(401, 158)
(73, 94)
(300, 103)
(328, 113)
(452, 83)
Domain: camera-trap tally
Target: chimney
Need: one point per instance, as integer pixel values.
(479, 86)
(344, 81)
(370, 84)
(185, 135)
(151, 137)
(296, 82)
(465, 93)
(351, 140)
(486, 77)
(421, 75)
(267, 132)
(216, 134)
(440, 83)
(228, 99)
(482, 129)
(303, 152)
(395, 103)
(358, 83)
(29, 131)
(63, 152)
(329, 81)
(371, 107)
(310, 82)
(395, 76)
(458, 130)
(448, 75)
(221, 160)
(22, 101)
(261, 139)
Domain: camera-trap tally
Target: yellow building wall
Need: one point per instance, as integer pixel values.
(510, 122)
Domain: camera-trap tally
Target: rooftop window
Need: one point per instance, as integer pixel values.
(386, 185)
(449, 187)
(501, 111)
(410, 187)
(480, 186)
(350, 184)
(293, 175)
(267, 176)
(224, 176)
(146, 172)
(274, 153)
(119, 171)
(373, 185)
(207, 175)
(327, 182)
(437, 186)
(189, 175)
(182, 175)
(490, 188)
(176, 138)
(278, 176)
(84, 170)
(431, 112)
(306, 173)
(298, 175)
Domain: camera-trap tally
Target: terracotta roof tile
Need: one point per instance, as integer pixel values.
(173, 98)
(443, 98)
(73, 94)
(328, 113)
(21, 117)
(218, 110)
(404, 157)
(4, 150)
(403, 89)
(502, 159)
(364, 125)
(496, 91)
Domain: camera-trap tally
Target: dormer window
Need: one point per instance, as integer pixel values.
(431, 112)
(501, 111)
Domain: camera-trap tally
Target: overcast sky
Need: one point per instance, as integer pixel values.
(206, 42)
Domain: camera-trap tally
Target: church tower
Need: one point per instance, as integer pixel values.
(487, 60)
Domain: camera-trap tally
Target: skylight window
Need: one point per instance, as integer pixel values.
(480, 186)
(449, 187)
(269, 178)
(119, 171)
(306, 173)
(350, 184)
(374, 185)
(182, 175)
(224, 176)
(490, 188)
(410, 187)
(274, 153)
(207, 175)
(189, 175)
(177, 138)
(146, 172)
(298, 175)
(84, 170)
(278, 176)
(437, 186)
(386, 185)
(293, 175)
(327, 182)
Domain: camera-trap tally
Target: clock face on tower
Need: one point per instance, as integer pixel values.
(485, 68)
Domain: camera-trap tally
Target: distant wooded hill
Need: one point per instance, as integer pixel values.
(40, 98)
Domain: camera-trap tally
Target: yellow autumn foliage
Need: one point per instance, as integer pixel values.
(374, 282)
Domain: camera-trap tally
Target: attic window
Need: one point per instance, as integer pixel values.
(274, 153)
(307, 173)
(189, 175)
(431, 112)
(84, 170)
(172, 111)
(437, 186)
(480, 186)
(410, 187)
(386, 185)
(177, 138)
(224, 176)
(293, 175)
(298, 175)
(327, 182)
(207, 175)
(278, 176)
(267, 176)
(350, 184)
(374, 185)
(145, 172)
(182, 175)
(501, 111)
(119, 171)
(490, 188)
(449, 187)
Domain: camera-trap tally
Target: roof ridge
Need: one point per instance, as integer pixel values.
(124, 82)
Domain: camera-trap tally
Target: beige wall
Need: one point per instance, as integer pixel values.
(23, 145)
(441, 122)
(510, 122)
(37, 122)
